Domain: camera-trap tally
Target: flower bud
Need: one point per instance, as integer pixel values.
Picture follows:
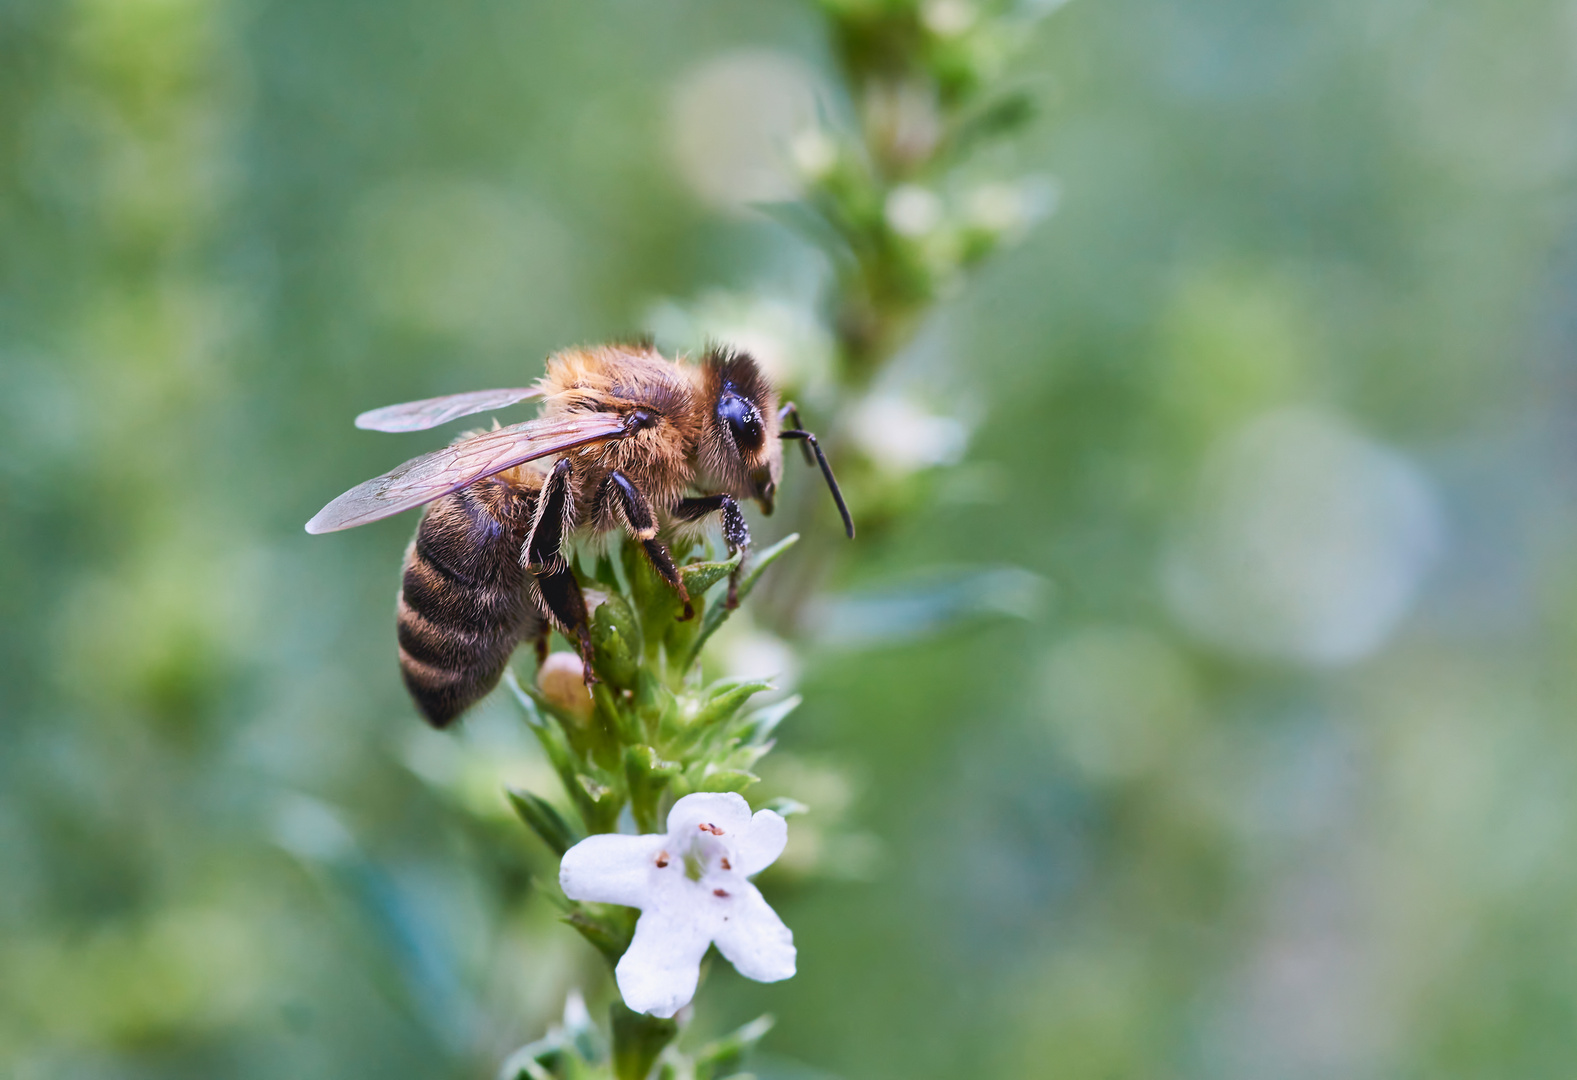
(615, 638)
(562, 680)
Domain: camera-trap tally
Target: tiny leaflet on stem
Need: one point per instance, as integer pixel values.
(691, 885)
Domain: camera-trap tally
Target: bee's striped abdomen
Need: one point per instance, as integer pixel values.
(463, 603)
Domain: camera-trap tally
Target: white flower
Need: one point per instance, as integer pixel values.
(691, 887)
(913, 211)
(947, 18)
(901, 436)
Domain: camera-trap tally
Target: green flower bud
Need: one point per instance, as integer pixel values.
(616, 640)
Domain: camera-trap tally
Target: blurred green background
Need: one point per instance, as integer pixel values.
(1276, 777)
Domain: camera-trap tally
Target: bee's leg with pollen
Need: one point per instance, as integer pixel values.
(736, 533)
(544, 558)
(637, 511)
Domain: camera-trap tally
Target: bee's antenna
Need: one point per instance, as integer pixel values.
(790, 412)
(826, 470)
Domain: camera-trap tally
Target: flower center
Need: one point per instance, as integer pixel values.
(706, 854)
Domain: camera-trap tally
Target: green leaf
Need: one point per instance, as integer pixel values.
(535, 1061)
(681, 635)
(714, 779)
(785, 806)
(723, 701)
(608, 927)
(719, 612)
(655, 601)
(614, 711)
(742, 758)
(998, 118)
(654, 703)
(723, 1056)
(758, 727)
(589, 739)
(604, 573)
(804, 217)
(544, 820)
(550, 737)
(701, 576)
(580, 1033)
(599, 803)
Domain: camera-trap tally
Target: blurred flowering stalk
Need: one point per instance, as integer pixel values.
(895, 202)
(660, 844)
(904, 179)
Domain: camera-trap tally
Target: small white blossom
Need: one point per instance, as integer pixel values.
(1010, 208)
(901, 436)
(691, 886)
(948, 18)
(814, 153)
(913, 211)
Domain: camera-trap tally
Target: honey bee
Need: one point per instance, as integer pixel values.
(626, 440)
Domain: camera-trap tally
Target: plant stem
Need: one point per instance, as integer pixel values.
(637, 1040)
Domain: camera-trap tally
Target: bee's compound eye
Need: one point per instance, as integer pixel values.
(743, 421)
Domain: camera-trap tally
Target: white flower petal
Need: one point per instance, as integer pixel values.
(754, 939)
(721, 810)
(658, 973)
(611, 869)
(761, 842)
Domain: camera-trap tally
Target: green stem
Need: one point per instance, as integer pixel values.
(637, 1041)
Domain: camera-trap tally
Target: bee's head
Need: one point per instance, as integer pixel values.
(739, 446)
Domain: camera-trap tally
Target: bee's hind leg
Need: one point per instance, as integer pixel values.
(736, 533)
(544, 559)
(642, 523)
(561, 595)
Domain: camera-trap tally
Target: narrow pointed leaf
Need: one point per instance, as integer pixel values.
(536, 1061)
(719, 612)
(785, 807)
(544, 820)
(722, 1057)
(756, 728)
(701, 576)
(725, 780)
(608, 928)
(725, 699)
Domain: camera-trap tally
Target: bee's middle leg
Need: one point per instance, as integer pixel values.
(736, 533)
(637, 511)
(544, 559)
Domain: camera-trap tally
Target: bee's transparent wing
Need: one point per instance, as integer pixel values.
(430, 412)
(431, 476)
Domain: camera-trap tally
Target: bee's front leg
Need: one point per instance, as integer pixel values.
(636, 509)
(736, 533)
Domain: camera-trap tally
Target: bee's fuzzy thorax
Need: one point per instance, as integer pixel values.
(619, 378)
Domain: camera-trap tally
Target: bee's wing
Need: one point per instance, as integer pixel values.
(431, 476)
(430, 412)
